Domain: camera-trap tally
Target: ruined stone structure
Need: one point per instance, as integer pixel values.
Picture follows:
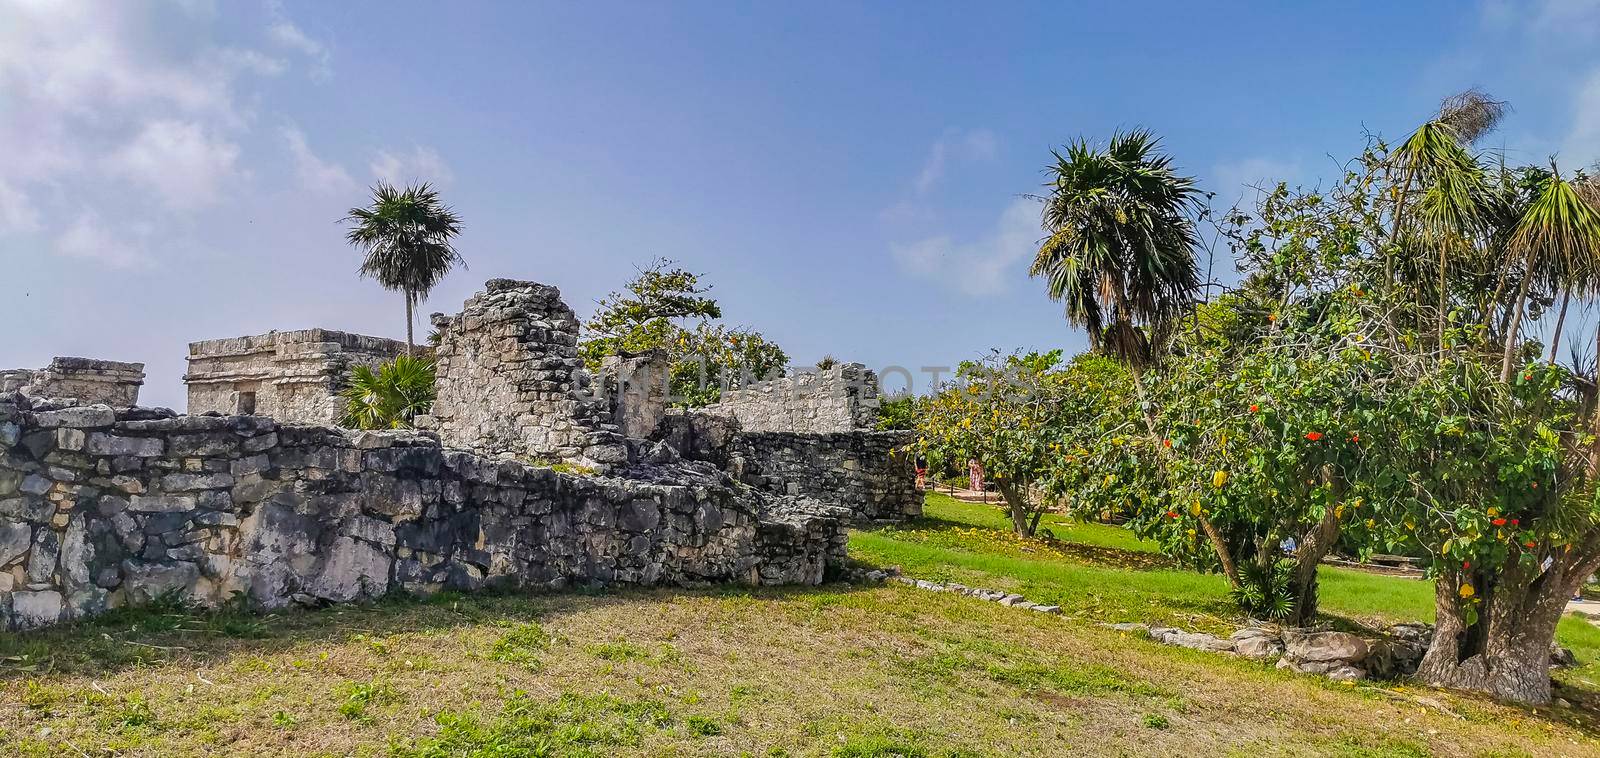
(101, 507)
(511, 384)
(294, 377)
(842, 398)
(86, 380)
(810, 435)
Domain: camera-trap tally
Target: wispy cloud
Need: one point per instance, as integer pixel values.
(955, 145)
(316, 175)
(419, 164)
(107, 126)
(986, 266)
(86, 239)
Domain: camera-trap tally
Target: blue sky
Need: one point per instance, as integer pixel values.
(848, 175)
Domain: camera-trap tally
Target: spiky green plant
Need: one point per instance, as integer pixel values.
(1560, 230)
(390, 395)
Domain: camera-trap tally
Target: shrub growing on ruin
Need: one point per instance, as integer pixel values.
(390, 395)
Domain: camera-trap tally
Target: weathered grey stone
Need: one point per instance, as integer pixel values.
(15, 539)
(161, 503)
(82, 417)
(31, 610)
(101, 443)
(145, 581)
(1197, 641)
(1321, 647)
(192, 482)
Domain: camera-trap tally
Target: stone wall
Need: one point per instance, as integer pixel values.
(841, 398)
(511, 384)
(865, 472)
(100, 508)
(86, 380)
(637, 387)
(294, 377)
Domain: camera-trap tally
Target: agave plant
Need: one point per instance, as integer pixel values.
(390, 395)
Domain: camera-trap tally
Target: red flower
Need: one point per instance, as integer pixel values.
(1254, 408)
(1529, 543)
(1527, 377)
(1313, 436)
(1514, 522)
(1167, 443)
(1466, 564)
(1498, 522)
(1172, 514)
(1355, 437)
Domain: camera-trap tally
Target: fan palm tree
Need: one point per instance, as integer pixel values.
(1120, 254)
(408, 237)
(390, 395)
(1559, 232)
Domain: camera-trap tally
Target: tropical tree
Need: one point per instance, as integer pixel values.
(390, 395)
(408, 237)
(1029, 423)
(1437, 161)
(666, 308)
(1560, 230)
(1120, 251)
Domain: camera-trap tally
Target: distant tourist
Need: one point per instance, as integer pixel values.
(922, 471)
(974, 475)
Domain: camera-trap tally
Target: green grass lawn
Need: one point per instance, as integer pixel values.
(844, 671)
(1105, 573)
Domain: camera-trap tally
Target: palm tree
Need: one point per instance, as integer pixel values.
(408, 239)
(1436, 158)
(1559, 232)
(390, 395)
(1120, 253)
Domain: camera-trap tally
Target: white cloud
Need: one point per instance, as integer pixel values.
(315, 174)
(1564, 22)
(285, 33)
(182, 161)
(87, 239)
(983, 267)
(974, 145)
(17, 213)
(420, 164)
(126, 112)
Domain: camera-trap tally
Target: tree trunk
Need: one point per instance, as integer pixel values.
(1018, 505)
(1512, 329)
(1506, 653)
(1555, 340)
(1314, 546)
(411, 345)
(1444, 295)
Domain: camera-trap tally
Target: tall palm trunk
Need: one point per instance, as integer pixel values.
(1444, 295)
(1516, 315)
(1555, 340)
(411, 297)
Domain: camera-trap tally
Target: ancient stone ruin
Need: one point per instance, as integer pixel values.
(102, 506)
(294, 377)
(86, 380)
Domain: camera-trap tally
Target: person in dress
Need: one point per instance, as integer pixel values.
(975, 475)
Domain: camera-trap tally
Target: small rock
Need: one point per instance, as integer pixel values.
(1048, 608)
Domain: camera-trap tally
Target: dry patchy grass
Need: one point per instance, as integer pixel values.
(836, 671)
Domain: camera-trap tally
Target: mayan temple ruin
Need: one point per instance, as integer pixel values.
(257, 493)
